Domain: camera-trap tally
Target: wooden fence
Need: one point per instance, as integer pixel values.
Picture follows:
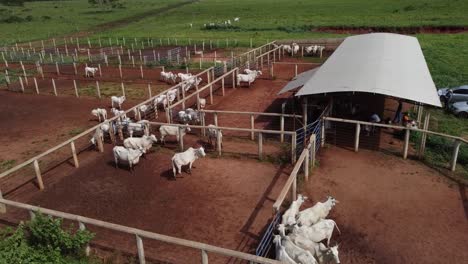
(456, 147)
(305, 160)
(141, 234)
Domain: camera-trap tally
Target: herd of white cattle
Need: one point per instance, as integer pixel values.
(294, 48)
(134, 147)
(300, 234)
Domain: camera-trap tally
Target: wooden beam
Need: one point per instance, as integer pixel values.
(38, 175)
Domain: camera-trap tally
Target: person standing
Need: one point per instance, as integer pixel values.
(398, 115)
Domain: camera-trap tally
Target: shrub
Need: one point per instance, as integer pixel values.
(43, 240)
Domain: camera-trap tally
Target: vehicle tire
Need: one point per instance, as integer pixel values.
(443, 101)
(463, 114)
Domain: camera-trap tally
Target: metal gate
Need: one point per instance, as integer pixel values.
(266, 243)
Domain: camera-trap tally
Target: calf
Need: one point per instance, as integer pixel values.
(118, 100)
(248, 78)
(90, 71)
(166, 130)
(100, 113)
(186, 158)
(130, 156)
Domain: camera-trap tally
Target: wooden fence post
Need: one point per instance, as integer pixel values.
(456, 148)
(181, 139)
(204, 257)
(57, 68)
(54, 86)
(313, 149)
(293, 148)
(2, 206)
(218, 141)
(215, 117)
(405, 148)
(252, 126)
(123, 88)
(75, 157)
(35, 85)
(100, 71)
(322, 133)
(211, 94)
(149, 91)
(295, 70)
(294, 188)
(38, 175)
(21, 83)
(120, 71)
(260, 145)
(203, 123)
(422, 145)
(356, 137)
(76, 88)
(141, 71)
(306, 165)
(141, 250)
(98, 90)
(74, 67)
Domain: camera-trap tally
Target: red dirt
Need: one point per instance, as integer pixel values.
(391, 210)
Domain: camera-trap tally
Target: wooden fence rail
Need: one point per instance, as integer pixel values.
(457, 140)
(141, 234)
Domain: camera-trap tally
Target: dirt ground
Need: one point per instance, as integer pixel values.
(391, 210)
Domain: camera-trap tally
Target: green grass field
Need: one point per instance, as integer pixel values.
(55, 18)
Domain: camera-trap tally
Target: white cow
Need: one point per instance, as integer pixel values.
(236, 19)
(186, 158)
(117, 112)
(139, 127)
(166, 130)
(191, 83)
(213, 135)
(289, 217)
(184, 76)
(287, 48)
(100, 113)
(248, 78)
(90, 71)
(145, 142)
(318, 232)
(188, 116)
(254, 72)
(296, 253)
(202, 102)
(326, 254)
(117, 100)
(168, 76)
(280, 250)
(295, 48)
(130, 156)
(313, 214)
(142, 109)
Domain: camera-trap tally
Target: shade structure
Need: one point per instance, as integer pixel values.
(298, 81)
(378, 63)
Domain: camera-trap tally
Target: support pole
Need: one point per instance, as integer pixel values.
(356, 137)
(98, 90)
(204, 257)
(456, 148)
(76, 88)
(75, 157)
(294, 188)
(405, 148)
(219, 139)
(260, 145)
(141, 250)
(181, 139)
(54, 86)
(35, 85)
(422, 145)
(306, 166)
(252, 126)
(38, 175)
(2, 206)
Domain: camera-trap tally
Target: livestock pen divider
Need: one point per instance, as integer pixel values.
(141, 234)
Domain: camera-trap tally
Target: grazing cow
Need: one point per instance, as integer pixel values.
(117, 100)
(145, 142)
(186, 158)
(289, 217)
(248, 78)
(130, 156)
(213, 135)
(318, 232)
(90, 71)
(202, 102)
(313, 214)
(100, 113)
(166, 130)
(139, 127)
